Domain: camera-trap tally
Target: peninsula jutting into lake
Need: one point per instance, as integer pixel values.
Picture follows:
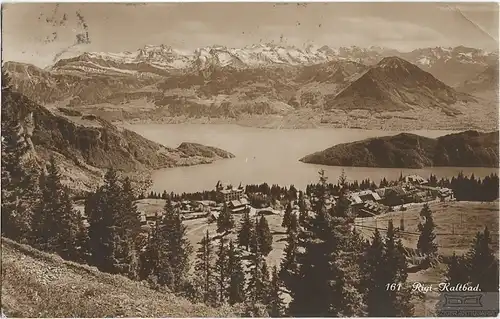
(294, 160)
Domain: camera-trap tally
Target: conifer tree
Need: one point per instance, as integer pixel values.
(246, 231)
(310, 291)
(294, 224)
(225, 221)
(222, 272)
(287, 216)
(426, 243)
(289, 266)
(205, 270)
(20, 175)
(160, 271)
(107, 236)
(374, 278)
(258, 284)
(264, 236)
(46, 227)
(174, 249)
(72, 234)
(310, 285)
(132, 215)
(327, 282)
(276, 306)
(457, 271)
(483, 265)
(303, 216)
(345, 271)
(149, 255)
(130, 229)
(254, 239)
(396, 273)
(236, 290)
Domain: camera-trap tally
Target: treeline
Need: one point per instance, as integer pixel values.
(205, 195)
(470, 188)
(335, 189)
(465, 188)
(273, 192)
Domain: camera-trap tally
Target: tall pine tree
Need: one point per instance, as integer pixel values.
(289, 267)
(264, 236)
(258, 284)
(483, 264)
(275, 304)
(327, 282)
(225, 220)
(246, 232)
(204, 269)
(287, 216)
(294, 224)
(46, 227)
(236, 290)
(20, 192)
(457, 271)
(169, 250)
(222, 272)
(108, 242)
(72, 236)
(374, 280)
(426, 244)
(396, 272)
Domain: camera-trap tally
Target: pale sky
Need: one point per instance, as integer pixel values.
(36, 33)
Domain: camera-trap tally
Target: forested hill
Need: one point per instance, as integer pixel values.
(465, 149)
(86, 145)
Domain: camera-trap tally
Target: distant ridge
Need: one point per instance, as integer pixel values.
(486, 81)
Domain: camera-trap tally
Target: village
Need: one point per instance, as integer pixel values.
(410, 190)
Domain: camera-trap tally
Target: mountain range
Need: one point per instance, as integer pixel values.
(465, 149)
(159, 82)
(163, 59)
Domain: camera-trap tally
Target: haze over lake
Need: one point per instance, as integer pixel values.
(270, 155)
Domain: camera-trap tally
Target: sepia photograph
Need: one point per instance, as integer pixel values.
(249, 159)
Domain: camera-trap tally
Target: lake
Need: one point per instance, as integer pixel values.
(269, 155)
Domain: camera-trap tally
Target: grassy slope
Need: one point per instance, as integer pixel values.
(465, 219)
(37, 284)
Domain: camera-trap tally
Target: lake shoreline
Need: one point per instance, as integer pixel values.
(276, 123)
(483, 120)
(271, 156)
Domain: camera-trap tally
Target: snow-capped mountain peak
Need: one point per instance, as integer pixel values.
(161, 59)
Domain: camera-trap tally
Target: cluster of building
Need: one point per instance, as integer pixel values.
(227, 197)
(412, 189)
(366, 203)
